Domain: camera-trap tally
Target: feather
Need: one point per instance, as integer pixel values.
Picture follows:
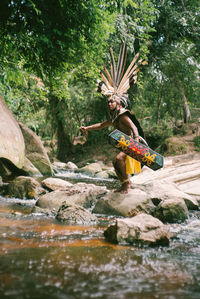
(128, 70)
(115, 81)
(108, 76)
(124, 88)
(134, 67)
(123, 66)
(112, 75)
(121, 63)
(105, 80)
(114, 67)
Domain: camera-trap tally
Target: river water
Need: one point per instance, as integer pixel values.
(42, 258)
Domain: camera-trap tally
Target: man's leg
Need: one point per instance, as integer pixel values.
(119, 164)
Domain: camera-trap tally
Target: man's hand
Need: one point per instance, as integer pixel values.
(84, 130)
(137, 139)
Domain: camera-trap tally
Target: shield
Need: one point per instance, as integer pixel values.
(137, 150)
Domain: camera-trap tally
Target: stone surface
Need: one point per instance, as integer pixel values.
(56, 184)
(12, 145)
(75, 214)
(25, 188)
(57, 165)
(141, 229)
(29, 168)
(123, 204)
(172, 210)
(35, 151)
(91, 169)
(82, 194)
(158, 191)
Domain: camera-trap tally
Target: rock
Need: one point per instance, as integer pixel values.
(35, 151)
(64, 166)
(52, 201)
(29, 168)
(172, 210)
(25, 188)
(41, 163)
(91, 169)
(75, 214)
(192, 204)
(58, 165)
(162, 200)
(124, 204)
(159, 191)
(102, 175)
(82, 194)
(12, 145)
(185, 168)
(141, 229)
(56, 184)
(191, 186)
(111, 173)
(71, 165)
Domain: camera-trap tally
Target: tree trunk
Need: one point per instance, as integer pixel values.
(63, 142)
(186, 109)
(158, 111)
(64, 145)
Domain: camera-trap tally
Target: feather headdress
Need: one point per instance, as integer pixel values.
(117, 81)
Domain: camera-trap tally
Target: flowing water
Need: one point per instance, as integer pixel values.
(42, 258)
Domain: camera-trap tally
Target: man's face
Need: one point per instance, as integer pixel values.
(111, 103)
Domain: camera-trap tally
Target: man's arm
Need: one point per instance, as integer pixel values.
(97, 126)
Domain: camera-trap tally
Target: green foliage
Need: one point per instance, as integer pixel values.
(51, 52)
(156, 134)
(197, 143)
(24, 93)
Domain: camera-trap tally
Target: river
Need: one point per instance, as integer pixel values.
(42, 258)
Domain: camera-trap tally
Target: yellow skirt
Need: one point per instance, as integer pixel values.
(132, 165)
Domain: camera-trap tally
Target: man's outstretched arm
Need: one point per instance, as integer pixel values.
(97, 126)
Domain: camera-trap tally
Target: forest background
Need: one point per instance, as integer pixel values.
(52, 51)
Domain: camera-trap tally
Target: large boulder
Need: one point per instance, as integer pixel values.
(141, 229)
(160, 199)
(12, 145)
(159, 191)
(82, 194)
(35, 151)
(126, 205)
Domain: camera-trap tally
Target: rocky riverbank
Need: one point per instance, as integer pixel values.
(156, 199)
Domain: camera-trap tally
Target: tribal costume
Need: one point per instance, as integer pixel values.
(115, 84)
(132, 165)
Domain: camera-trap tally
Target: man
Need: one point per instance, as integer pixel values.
(121, 120)
(115, 85)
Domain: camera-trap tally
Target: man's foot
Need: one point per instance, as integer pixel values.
(125, 187)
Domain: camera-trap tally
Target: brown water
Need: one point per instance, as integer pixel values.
(41, 258)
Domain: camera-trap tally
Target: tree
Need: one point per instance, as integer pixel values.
(47, 34)
(174, 51)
